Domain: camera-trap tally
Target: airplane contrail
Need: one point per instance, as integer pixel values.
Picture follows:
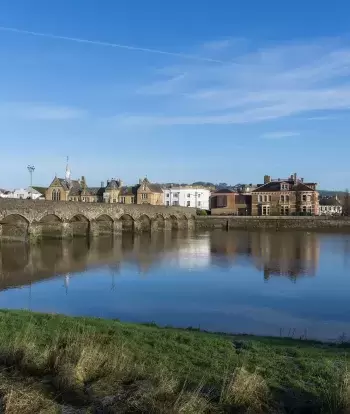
(107, 44)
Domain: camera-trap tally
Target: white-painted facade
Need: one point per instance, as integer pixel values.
(187, 197)
(23, 193)
(330, 210)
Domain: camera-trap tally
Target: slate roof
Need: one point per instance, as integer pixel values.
(128, 191)
(329, 201)
(75, 188)
(95, 191)
(274, 186)
(40, 190)
(113, 184)
(74, 183)
(155, 188)
(224, 191)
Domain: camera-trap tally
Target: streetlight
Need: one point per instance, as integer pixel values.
(31, 169)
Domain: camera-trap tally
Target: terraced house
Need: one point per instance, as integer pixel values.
(290, 196)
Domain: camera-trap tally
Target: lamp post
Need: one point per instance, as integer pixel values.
(31, 169)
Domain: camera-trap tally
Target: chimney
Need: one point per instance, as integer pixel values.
(121, 183)
(295, 177)
(102, 184)
(267, 179)
(301, 180)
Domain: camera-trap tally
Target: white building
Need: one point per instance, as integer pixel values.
(330, 206)
(24, 193)
(187, 197)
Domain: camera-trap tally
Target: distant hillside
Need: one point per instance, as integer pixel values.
(331, 193)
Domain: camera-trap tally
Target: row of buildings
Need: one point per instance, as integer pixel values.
(275, 197)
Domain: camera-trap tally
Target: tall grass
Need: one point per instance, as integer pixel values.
(50, 362)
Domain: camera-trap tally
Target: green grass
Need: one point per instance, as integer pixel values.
(101, 366)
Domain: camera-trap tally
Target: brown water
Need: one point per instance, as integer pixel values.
(290, 283)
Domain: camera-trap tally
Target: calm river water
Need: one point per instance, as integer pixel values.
(291, 284)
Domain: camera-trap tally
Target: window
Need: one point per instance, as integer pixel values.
(284, 211)
(266, 211)
(282, 198)
(304, 209)
(188, 203)
(304, 197)
(199, 196)
(188, 195)
(175, 203)
(122, 200)
(259, 198)
(168, 195)
(266, 198)
(221, 201)
(199, 203)
(284, 187)
(132, 200)
(168, 203)
(269, 198)
(114, 200)
(144, 196)
(287, 198)
(56, 195)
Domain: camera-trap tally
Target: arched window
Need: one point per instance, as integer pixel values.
(56, 195)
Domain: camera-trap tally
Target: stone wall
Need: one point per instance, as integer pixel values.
(274, 223)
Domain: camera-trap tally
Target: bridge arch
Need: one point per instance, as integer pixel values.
(127, 223)
(145, 223)
(50, 226)
(80, 225)
(174, 222)
(160, 220)
(14, 226)
(182, 221)
(104, 225)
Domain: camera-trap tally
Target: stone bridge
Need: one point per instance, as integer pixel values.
(33, 219)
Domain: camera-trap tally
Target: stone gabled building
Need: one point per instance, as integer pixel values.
(284, 197)
(148, 193)
(66, 189)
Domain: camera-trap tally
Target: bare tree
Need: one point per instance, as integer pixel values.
(346, 203)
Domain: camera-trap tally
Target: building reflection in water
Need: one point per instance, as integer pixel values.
(274, 254)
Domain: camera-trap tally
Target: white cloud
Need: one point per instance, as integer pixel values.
(271, 83)
(39, 112)
(280, 134)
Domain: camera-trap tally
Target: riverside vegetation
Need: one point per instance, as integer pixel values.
(58, 364)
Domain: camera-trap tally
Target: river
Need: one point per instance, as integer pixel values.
(293, 284)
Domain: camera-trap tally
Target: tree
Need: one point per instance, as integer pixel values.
(346, 203)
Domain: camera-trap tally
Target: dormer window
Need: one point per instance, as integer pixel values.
(284, 186)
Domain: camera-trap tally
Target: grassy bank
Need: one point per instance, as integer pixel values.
(53, 364)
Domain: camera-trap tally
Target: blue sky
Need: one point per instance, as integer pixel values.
(177, 90)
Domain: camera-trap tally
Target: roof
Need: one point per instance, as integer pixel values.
(75, 188)
(128, 191)
(40, 190)
(95, 191)
(113, 184)
(329, 201)
(223, 191)
(74, 184)
(274, 186)
(155, 188)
